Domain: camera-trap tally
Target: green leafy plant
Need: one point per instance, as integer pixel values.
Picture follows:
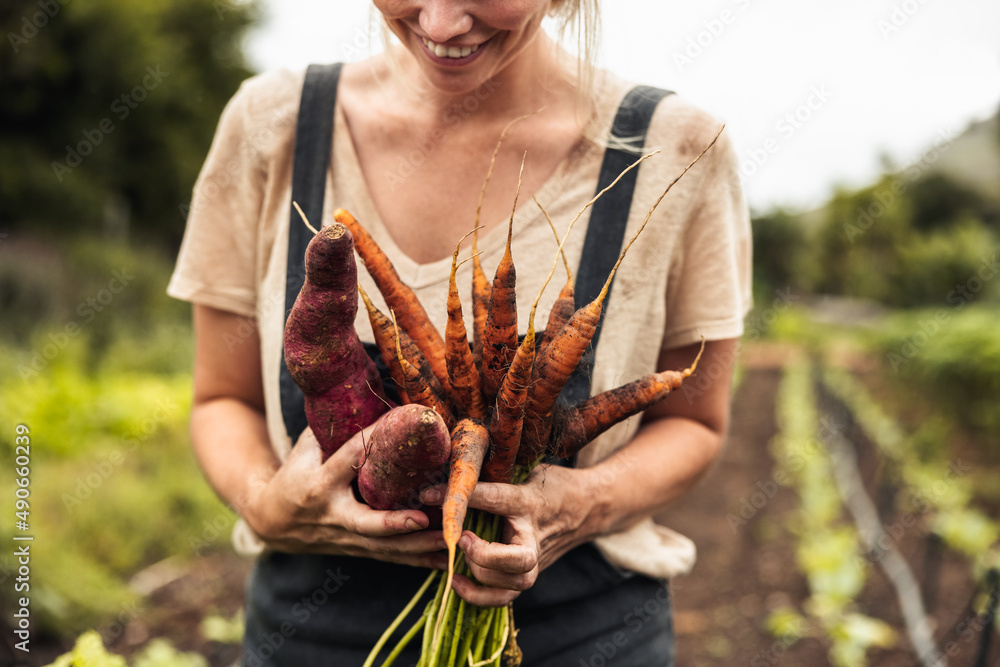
(89, 651)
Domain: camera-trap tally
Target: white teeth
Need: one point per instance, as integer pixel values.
(442, 51)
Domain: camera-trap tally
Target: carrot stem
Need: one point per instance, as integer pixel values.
(475, 616)
(404, 642)
(456, 635)
(431, 613)
(569, 273)
(399, 619)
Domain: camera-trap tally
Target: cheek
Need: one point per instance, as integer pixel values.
(394, 9)
(516, 15)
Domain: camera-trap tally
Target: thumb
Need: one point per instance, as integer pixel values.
(306, 452)
(344, 463)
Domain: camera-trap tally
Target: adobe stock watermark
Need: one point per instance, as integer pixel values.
(303, 610)
(407, 164)
(248, 325)
(130, 611)
(785, 128)
(227, 517)
(650, 610)
(755, 327)
(711, 30)
(102, 469)
(967, 629)
(751, 505)
(34, 21)
(121, 107)
(211, 184)
(924, 501)
(223, 7)
(930, 326)
(886, 195)
(900, 15)
(88, 310)
(773, 654)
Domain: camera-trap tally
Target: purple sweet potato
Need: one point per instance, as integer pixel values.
(325, 357)
(407, 450)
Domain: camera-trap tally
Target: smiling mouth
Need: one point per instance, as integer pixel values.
(442, 51)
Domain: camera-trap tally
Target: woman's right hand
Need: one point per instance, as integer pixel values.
(309, 506)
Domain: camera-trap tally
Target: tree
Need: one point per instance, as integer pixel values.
(108, 108)
(779, 246)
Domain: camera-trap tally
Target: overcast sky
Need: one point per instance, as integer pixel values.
(813, 93)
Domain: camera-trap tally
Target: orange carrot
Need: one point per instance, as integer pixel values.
(481, 289)
(555, 365)
(589, 419)
(508, 416)
(417, 387)
(469, 442)
(382, 331)
(565, 303)
(399, 297)
(481, 286)
(462, 371)
(500, 333)
(385, 334)
(552, 370)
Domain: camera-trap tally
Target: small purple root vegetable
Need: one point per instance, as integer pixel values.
(407, 451)
(325, 357)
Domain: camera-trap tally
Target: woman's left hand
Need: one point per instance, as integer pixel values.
(548, 515)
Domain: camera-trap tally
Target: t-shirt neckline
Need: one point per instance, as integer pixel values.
(418, 275)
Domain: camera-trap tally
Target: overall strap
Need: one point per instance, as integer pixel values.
(313, 143)
(609, 217)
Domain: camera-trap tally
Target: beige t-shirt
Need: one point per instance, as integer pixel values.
(687, 276)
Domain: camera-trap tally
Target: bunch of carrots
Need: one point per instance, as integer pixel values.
(483, 412)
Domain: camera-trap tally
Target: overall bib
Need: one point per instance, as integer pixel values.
(305, 610)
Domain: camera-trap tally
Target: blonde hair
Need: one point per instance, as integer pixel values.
(582, 18)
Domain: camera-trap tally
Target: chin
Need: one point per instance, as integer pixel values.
(457, 85)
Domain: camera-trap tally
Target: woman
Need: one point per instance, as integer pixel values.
(412, 134)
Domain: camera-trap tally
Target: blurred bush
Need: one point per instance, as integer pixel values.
(115, 486)
(54, 288)
(780, 247)
(951, 355)
(902, 243)
(109, 107)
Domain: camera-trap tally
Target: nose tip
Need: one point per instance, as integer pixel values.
(442, 21)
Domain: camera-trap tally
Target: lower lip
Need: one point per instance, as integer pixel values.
(452, 62)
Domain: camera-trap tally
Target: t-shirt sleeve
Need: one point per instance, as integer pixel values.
(709, 285)
(217, 263)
